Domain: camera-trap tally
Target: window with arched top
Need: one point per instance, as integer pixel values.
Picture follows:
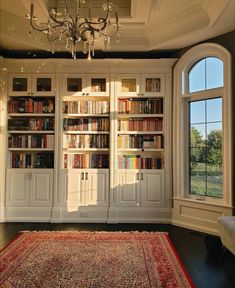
(202, 125)
(205, 128)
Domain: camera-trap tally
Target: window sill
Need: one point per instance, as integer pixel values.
(213, 202)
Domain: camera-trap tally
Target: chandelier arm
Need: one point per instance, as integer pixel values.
(64, 22)
(100, 21)
(89, 24)
(56, 38)
(67, 12)
(59, 23)
(31, 21)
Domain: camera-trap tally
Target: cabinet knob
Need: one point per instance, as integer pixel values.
(83, 94)
(138, 176)
(82, 175)
(87, 94)
(86, 175)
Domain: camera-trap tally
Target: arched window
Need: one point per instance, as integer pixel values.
(205, 128)
(202, 125)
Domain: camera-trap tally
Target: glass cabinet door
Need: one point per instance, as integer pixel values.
(98, 85)
(153, 85)
(19, 84)
(74, 85)
(43, 85)
(128, 85)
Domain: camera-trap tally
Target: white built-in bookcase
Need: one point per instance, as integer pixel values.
(87, 141)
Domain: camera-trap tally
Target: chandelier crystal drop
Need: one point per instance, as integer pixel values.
(69, 28)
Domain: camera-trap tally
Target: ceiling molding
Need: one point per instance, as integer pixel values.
(214, 9)
(177, 25)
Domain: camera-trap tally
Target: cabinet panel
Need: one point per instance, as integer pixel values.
(152, 85)
(128, 85)
(43, 85)
(128, 189)
(152, 190)
(74, 188)
(41, 186)
(98, 84)
(31, 84)
(74, 85)
(97, 188)
(17, 188)
(19, 84)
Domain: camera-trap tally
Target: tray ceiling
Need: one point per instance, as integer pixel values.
(145, 25)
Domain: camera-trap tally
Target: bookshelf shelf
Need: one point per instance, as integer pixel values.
(139, 132)
(85, 132)
(85, 149)
(31, 132)
(131, 116)
(84, 115)
(139, 149)
(31, 114)
(30, 149)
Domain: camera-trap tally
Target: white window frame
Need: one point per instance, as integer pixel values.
(180, 123)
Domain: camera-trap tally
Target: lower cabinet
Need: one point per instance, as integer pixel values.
(85, 188)
(141, 188)
(29, 194)
(29, 188)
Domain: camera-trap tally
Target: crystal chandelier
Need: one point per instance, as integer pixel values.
(70, 28)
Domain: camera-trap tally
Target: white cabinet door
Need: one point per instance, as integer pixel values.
(19, 84)
(74, 85)
(152, 189)
(43, 85)
(97, 185)
(73, 186)
(41, 188)
(98, 85)
(128, 85)
(31, 85)
(152, 85)
(128, 188)
(17, 192)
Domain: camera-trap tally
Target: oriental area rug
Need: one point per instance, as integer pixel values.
(92, 259)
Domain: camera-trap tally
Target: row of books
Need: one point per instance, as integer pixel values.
(86, 124)
(140, 141)
(31, 105)
(33, 124)
(85, 161)
(31, 141)
(140, 106)
(85, 107)
(139, 162)
(150, 124)
(32, 160)
(86, 141)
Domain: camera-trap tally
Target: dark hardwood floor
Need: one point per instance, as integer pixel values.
(198, 252)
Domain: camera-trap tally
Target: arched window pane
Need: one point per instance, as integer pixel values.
(214, 73)
(197, 77)
(206, 74)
